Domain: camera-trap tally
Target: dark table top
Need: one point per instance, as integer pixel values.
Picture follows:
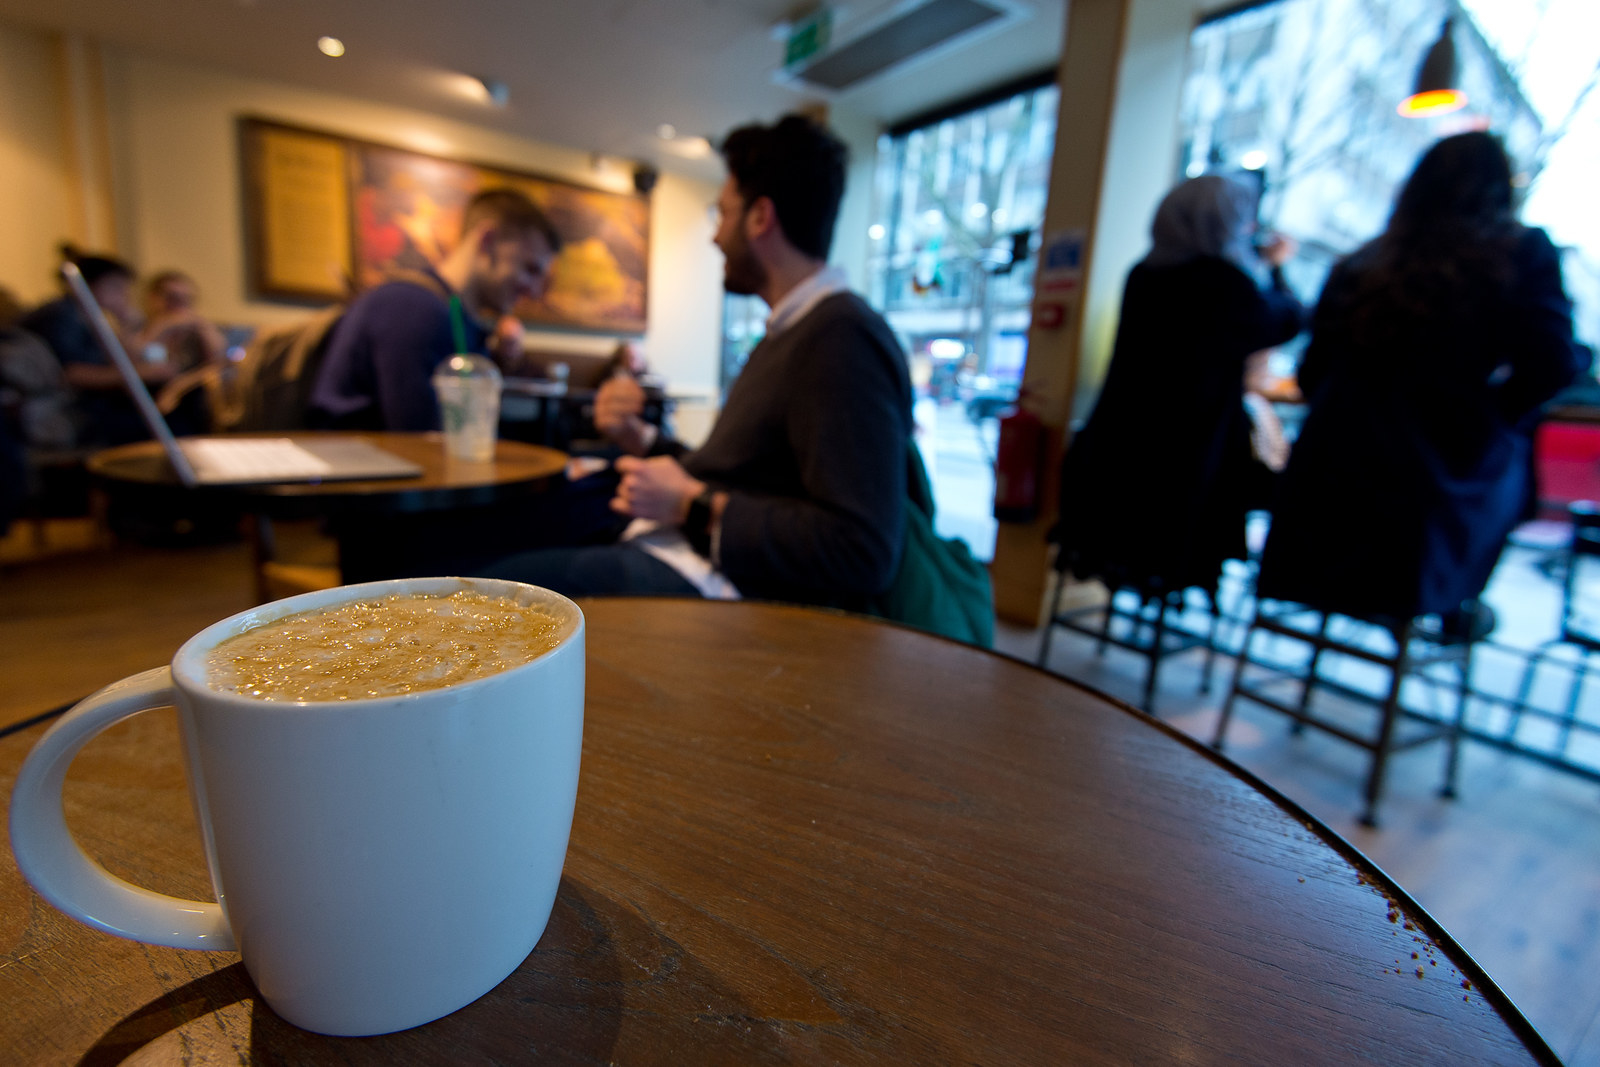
(804, 837)
(517, 469)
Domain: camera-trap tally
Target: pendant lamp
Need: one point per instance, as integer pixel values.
(1436, 92)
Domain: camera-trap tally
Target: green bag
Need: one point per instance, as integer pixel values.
(939, 586)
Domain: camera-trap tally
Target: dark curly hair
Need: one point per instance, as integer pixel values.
(1449, 240)
(94, 267)
(800, 167)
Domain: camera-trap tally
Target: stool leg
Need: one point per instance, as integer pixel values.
(1299, 725)
(1580, 672)
(1211, 644)
(1463, 694)
(1105, 623)
(1158, 631)
(1233, 686)
(1385, 739)
(1524, 690)
(1050, 620)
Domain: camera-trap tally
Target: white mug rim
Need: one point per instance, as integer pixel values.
(188, 664)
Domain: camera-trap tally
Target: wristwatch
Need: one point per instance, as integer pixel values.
(697, 524)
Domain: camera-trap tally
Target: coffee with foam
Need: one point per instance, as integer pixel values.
(398, 644)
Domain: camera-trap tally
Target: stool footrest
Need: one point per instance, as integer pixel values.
(1422, 654)
(1440, 728)
(1181, 640)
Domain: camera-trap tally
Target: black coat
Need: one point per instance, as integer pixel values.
(1413, 462)
(1155, 487)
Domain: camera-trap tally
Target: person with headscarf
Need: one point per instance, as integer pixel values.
(1156, 486)
(1432, 349)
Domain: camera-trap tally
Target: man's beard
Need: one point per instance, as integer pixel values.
(742, 273)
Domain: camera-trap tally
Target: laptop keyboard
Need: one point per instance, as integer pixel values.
(253, 459)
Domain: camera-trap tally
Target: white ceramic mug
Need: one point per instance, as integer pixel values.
(378, 863)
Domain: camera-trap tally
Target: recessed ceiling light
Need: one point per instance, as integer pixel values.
(330, 46)
(666, 131)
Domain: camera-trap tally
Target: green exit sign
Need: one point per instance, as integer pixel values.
(808, 36)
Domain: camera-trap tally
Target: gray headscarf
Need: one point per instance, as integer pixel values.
(1211, 215)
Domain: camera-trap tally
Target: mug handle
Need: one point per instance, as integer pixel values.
(56, 865)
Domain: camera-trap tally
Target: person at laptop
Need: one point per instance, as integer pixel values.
(176, 333)
(107, 415)
(174, 326)
(381, 356)
(799, 492)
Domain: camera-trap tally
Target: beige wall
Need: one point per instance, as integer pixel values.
(35, 214)
(179, 185)
(176, 181)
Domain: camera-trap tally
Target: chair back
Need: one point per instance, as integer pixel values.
(270, 389)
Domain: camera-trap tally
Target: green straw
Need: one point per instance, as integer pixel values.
(457, 325)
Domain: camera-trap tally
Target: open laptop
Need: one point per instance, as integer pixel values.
(237, 460)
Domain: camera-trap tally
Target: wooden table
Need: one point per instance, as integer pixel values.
(804, 837)
(517, 469)
(380, 524)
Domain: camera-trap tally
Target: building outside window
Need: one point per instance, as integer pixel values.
(958, 208)
(1304, 92)
(1301, 92)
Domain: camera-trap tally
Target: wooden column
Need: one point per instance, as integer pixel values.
(1090, 61)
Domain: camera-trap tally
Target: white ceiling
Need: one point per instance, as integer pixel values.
(599, 76)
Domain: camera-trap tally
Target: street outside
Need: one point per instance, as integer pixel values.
(958, 455)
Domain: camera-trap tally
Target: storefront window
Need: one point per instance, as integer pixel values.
(1305, 92)
(958, 208)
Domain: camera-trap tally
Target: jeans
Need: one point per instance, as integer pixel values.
(596, 570)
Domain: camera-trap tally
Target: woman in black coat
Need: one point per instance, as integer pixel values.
(1431, 350)
(1155, 487)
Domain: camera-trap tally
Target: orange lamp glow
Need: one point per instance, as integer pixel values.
(1432, 102)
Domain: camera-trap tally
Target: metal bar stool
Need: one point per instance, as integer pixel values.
(1146, 630)
(1580, 625)
(1412, 650)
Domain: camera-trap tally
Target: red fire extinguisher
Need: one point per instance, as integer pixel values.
(1018, 460)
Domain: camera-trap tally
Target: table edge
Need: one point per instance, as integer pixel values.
(1507, 1009)
(289, 500)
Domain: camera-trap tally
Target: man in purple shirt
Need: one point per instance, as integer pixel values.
(376, 374)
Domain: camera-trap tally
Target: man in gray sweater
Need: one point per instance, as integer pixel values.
(799, 492)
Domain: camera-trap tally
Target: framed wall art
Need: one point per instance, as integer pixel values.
(326, 214)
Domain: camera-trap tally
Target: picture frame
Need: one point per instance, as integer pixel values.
(327, 215)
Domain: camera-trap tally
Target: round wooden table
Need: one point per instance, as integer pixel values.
(384, 527)
(517, 469)
(805, 837)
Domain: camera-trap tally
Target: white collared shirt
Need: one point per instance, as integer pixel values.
(798, 302)
(667, 543)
